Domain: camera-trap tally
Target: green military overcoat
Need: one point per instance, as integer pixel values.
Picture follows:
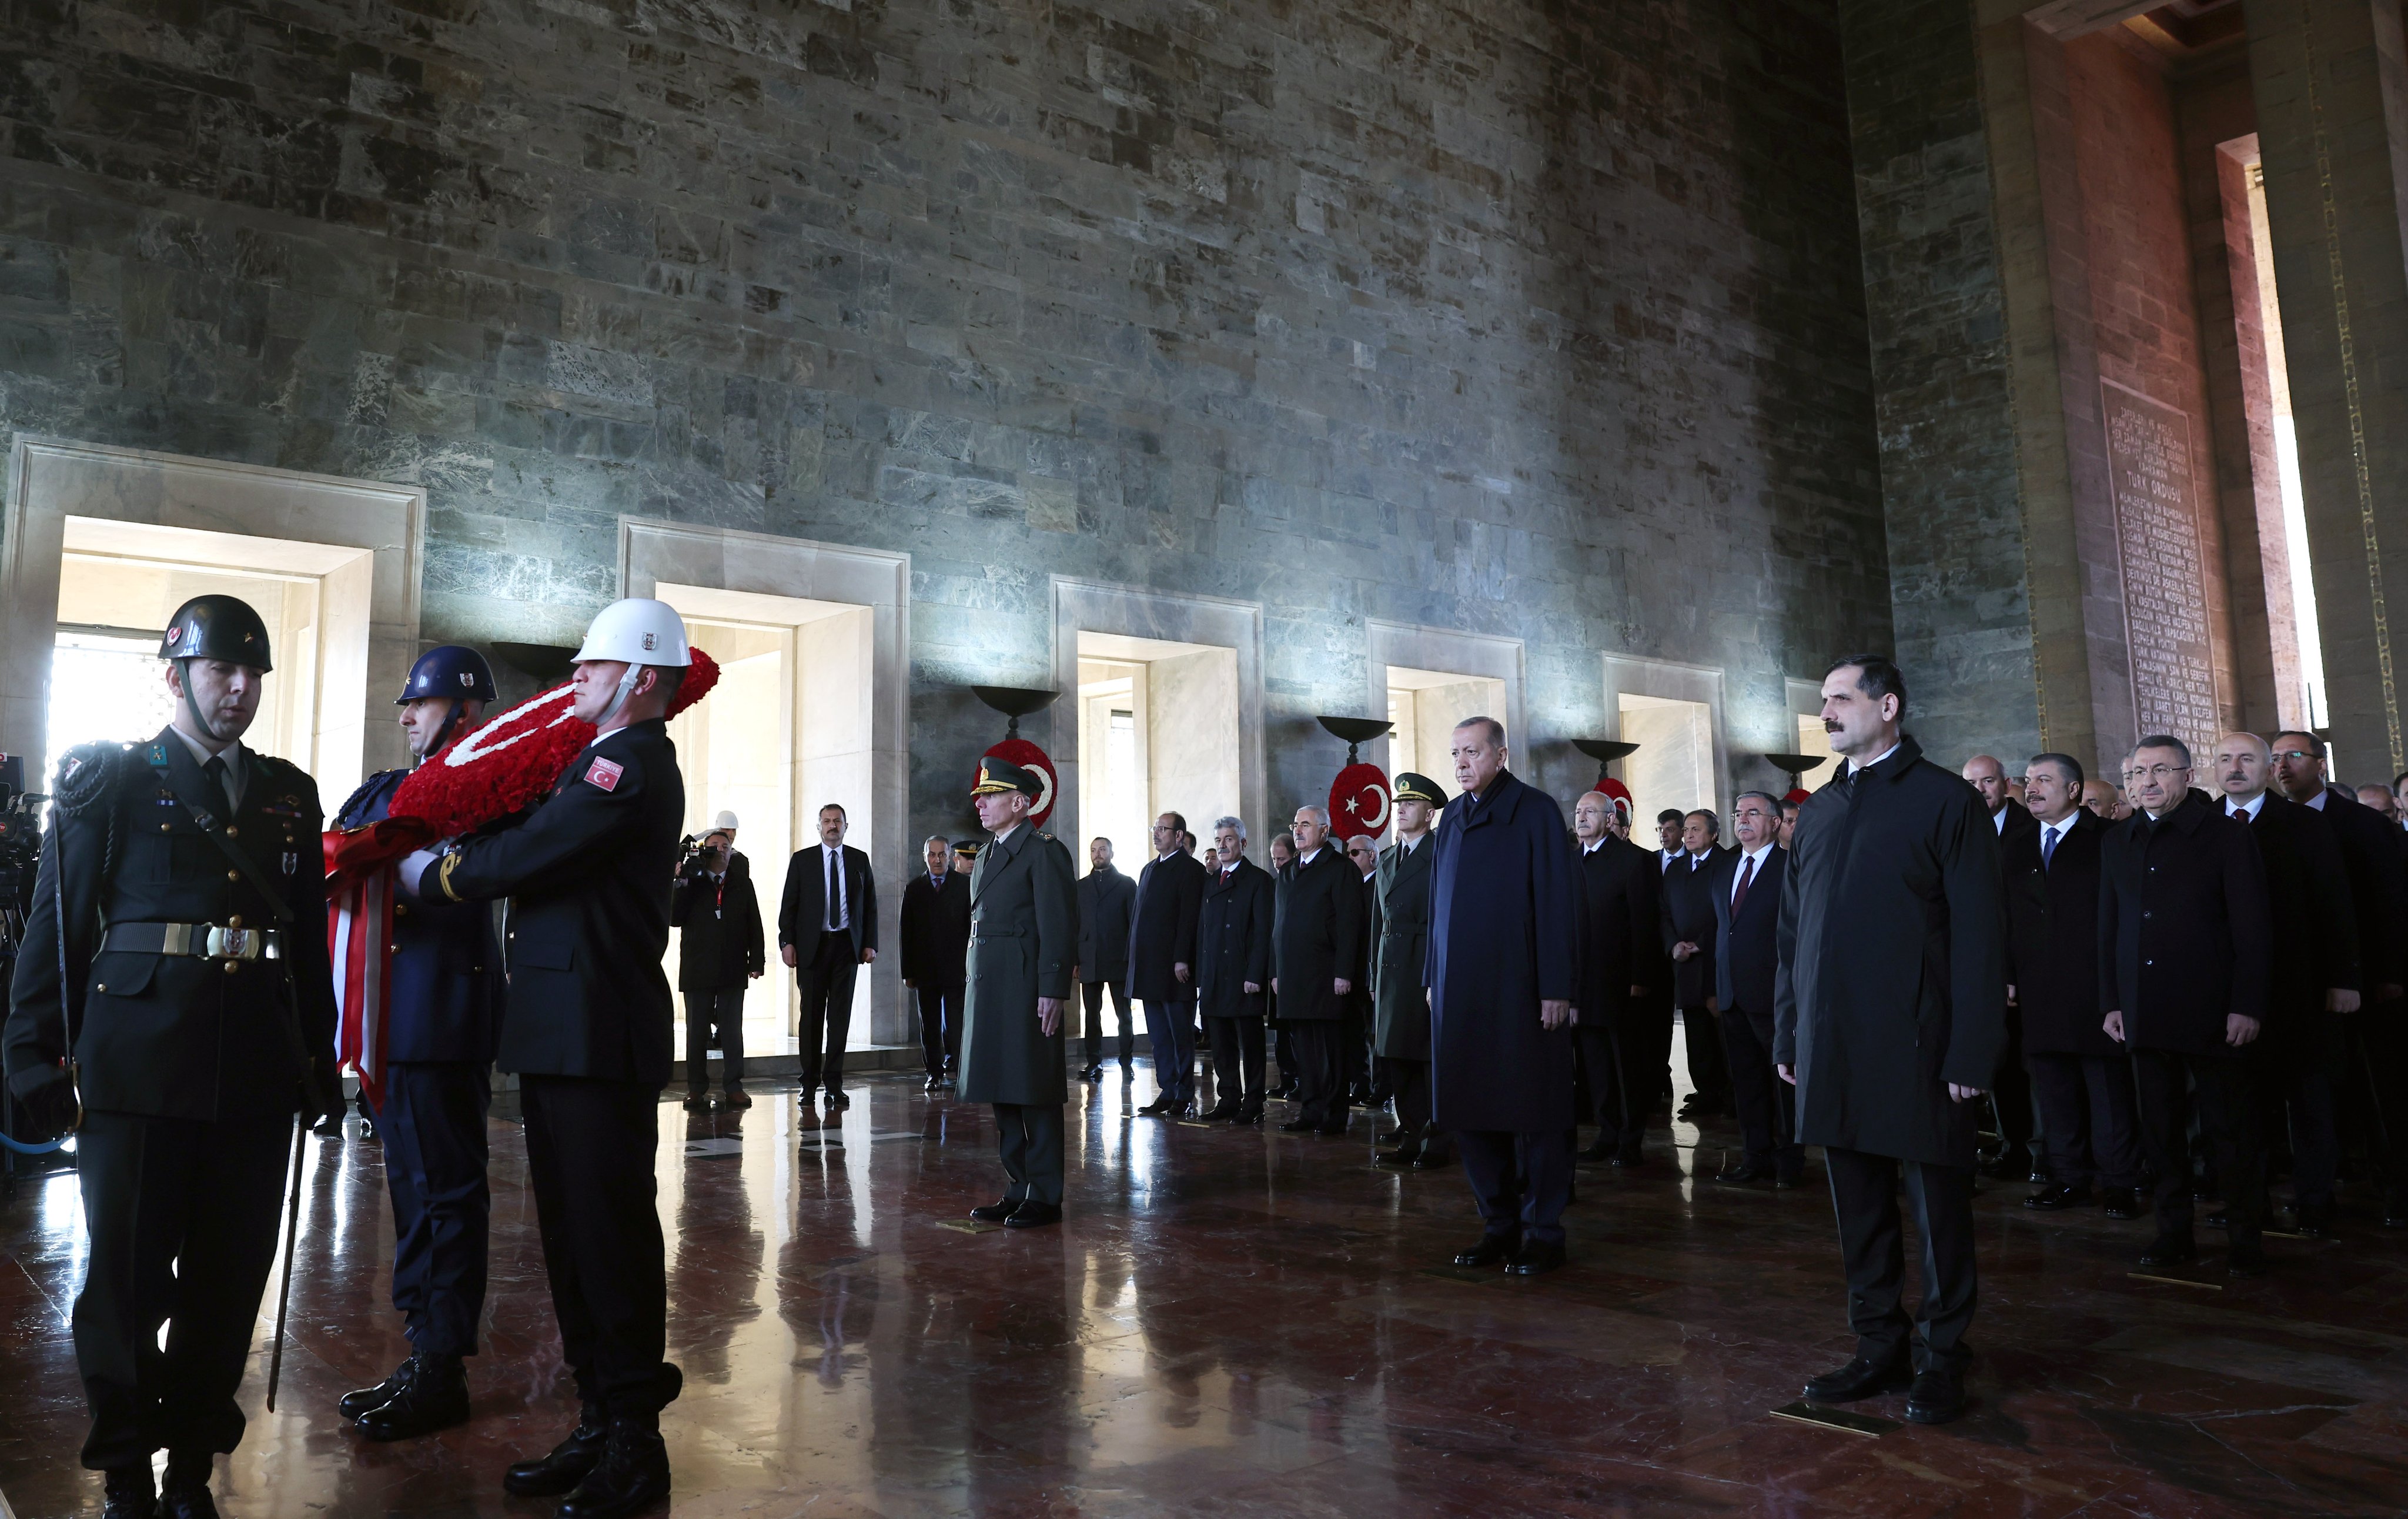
(1402, 1025)
(1024, 940)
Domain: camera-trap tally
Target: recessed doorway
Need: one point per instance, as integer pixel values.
(1424, 706)
(1157, 733)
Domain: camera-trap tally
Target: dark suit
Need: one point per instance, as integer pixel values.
(1233, 947)
(1162, 937)
(589, 873)
(191, 1071)
(2183, 944)
(2311, 950)
(1619, 945)
(720, 949)
(2375, 1039)
(826, 959)
(2011, 1093)
(443, 1018)
(935, 932)
(1688, 916)
(1317, 937)
(2081, 1079)
(1744, 964)
(1107, 911)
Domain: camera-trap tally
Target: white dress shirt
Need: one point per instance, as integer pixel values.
(1750, 866)
(236, 771)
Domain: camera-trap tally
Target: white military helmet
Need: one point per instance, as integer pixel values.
(639, 630)
(725, 820)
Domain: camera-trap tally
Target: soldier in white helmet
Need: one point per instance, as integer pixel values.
(589, 872)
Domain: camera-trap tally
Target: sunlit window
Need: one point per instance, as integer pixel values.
(105, 685)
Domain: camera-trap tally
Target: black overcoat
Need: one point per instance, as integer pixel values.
(1317, 935)
(1162, 928)
(1688, 915)
(934, 928)
(2053, 939)
(1023, 928)
(2312, 947)
(1233, 941)
(2378, 886)
(721, 944)
(1892, 980)
(1106, 898)
(1401, 1028)
(2183, 934)
(1503, 898)
(1619, 944)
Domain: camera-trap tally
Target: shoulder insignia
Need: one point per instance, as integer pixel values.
(605, 773)
(88, 776)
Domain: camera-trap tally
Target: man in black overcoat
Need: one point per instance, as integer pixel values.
(1106, 904)
(2312, 982)
(2182, 948)
(1689, 928)
(934, 928)
(2376, 1089)
(720, 949)
(1400, 1033)
(589, 872)
(1162, 964)
(1233, 971)
(1615, 966)
(2011, 1095)
(1504, 897)
(2081, 1079)
(1316, 941)
(827, 930)
(1889, 1013)
(1747, 913)
(1362, 1084)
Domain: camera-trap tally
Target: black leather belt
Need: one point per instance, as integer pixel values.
(206, 941)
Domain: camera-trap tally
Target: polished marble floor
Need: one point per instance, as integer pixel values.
(1240, 1322)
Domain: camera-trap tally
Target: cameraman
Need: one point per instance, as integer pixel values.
(181, 891)
(721, 949)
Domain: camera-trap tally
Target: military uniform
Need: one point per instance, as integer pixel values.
(203, 1019)
(442, 1020)
(1023, 936)
(1400, 1039)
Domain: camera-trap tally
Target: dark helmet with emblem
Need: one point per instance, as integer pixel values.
(452, 672)
(217, 628)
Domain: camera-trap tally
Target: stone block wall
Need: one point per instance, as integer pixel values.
(1536, 320)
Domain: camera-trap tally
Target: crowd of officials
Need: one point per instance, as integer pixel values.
(2134, 996)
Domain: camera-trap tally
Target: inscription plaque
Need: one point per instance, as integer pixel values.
(2165, 572)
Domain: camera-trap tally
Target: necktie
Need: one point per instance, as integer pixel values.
(1746, 880)
(216, 772)
(834, 890)
(2048, 847)
(936, 883)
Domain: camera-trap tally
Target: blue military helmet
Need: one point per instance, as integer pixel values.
(451, 671)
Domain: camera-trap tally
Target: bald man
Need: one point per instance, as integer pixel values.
(2016, 1158)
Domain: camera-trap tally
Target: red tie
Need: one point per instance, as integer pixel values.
(1746, 878)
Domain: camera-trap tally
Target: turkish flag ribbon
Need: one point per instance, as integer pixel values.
(359, 941)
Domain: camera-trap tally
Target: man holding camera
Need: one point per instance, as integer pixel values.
(174, 992)
(719, 947)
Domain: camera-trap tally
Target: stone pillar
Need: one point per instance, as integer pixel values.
(2332, 83)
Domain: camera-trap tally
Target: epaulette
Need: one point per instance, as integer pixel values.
(88, 776)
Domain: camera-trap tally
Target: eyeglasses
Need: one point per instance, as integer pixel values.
(2293, 754)
(2156, 773)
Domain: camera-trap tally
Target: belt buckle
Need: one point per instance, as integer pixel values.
(234, 943)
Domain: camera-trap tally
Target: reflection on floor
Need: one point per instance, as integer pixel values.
(1238, 1323)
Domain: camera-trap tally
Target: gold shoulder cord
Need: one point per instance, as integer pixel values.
(2365, 480)
(443, 876)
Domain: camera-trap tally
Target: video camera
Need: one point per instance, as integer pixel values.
(21, 847)
(694, 849)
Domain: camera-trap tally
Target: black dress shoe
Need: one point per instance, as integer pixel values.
(2166, 1253)
(2120, 1202)
(1246, 1115)
(2316, 1222)
(2245, 1261)
(1492, 1249)
(632, 1474)
(1786, 1183)
(1032, 1214)
(368, 1399)
(126, 1493)
(837, 1102)
(1429, 1161)
(1298, 1125)
(185, 1494)
(1602, 1151)
(1090, 1073)
(1156, 1107)
(697, 1102)
(1397, 1157)
(1860, 1379)
(1391, 1137)
(1536, 1259)
(436, 1399)
(736, 1097)
(1740, 1175)
(1937, 1396)
(994, 1212)
(1630, 1155)
(567, 1464)
(2058, 1199)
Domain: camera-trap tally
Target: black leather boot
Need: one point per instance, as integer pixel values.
(128, 1493)
(567, 1464)
(185, 1494)
(632, 1474)
(368, 1399)
(436, 1399)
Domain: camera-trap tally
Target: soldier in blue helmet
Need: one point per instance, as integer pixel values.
(443, 1021)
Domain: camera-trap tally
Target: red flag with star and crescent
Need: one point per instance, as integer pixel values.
(1360, 802)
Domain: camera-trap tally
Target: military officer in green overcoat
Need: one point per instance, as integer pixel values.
(1023, 939)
